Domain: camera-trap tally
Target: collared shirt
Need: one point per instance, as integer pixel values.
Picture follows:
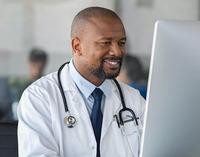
(86, 88)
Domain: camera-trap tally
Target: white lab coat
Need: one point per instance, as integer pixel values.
(41, 128)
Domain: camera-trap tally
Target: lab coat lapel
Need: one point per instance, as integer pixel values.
(79, 105)
(78, 108)
(111, 108)
(75, 101)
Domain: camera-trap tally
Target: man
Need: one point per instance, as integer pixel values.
(98, 42)
(37, 62)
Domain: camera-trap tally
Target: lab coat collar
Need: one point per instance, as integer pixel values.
(85, 86)
(66, 81)
(109, 88)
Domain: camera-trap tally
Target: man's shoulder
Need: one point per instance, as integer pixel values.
(45, 82)
(127, 88)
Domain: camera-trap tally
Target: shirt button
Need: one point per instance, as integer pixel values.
(93, 147)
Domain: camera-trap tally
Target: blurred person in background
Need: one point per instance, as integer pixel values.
(37, 61)
(132, 73)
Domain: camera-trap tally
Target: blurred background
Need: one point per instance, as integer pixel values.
(43, 26)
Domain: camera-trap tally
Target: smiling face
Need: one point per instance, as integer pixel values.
(99, 49)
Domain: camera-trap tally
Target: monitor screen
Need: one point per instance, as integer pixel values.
(172, 126)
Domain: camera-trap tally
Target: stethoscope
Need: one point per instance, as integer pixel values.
(70, 120)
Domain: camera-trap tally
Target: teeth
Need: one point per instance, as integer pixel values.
(113, 63)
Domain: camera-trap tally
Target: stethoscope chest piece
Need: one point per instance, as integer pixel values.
(70, 121)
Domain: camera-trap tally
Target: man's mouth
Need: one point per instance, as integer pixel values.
(112, 63)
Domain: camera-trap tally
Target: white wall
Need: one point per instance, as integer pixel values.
(42, 23)
(139, 20)
(46, 23)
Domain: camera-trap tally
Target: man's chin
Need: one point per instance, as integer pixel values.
(112, 75)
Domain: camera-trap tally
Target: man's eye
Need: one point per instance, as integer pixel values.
(106, 43)
(122, 43)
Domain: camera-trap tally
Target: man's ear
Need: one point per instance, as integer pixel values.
(76, 46)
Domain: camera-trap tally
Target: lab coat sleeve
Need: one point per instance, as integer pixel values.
(35, 133)
(138, 103)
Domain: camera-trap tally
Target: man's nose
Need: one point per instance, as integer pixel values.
(116, 50)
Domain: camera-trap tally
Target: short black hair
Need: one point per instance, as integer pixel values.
(38, 55)
(86, 14)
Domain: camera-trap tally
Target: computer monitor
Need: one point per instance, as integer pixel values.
(172, 119)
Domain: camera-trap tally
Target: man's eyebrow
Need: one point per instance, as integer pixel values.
(105, 38)
(124, 38)
(110, 38)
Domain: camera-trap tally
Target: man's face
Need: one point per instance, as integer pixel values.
(102, 46)
(36, 70)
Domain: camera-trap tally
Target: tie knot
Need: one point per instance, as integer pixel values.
(97, 93)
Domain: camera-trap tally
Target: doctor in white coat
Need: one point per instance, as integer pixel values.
(98, 42)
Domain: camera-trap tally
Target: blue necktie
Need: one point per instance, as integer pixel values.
(96, 117)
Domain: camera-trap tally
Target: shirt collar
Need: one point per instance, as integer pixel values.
(84, 85)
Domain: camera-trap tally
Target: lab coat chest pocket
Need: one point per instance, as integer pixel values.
(129, 129)
(131, 134)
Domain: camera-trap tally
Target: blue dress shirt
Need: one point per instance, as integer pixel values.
(86, 88)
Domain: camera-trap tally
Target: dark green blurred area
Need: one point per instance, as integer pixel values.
(11, 89)
(18, 85)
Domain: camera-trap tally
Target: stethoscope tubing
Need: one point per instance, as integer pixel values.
(124, 108)
(61, 88)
